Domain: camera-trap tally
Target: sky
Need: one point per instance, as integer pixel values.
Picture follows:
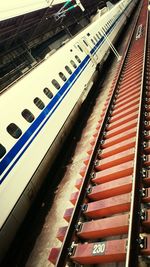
(12, 8)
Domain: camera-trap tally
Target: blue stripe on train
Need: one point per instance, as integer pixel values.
(25, 137)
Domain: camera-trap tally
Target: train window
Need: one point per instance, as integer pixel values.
(62, 76)
(97, 36)
(92, 41)
(73, 64)
(68, 70)
(14, 130)
(80, 48)
(48, 93)
(78, 59)
(95, 39)
(2, 151)
(88, 34)
(85, 42)
(27, 115)
(56, 84)
(39, 103)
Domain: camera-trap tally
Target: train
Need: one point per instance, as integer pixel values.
(38, 110)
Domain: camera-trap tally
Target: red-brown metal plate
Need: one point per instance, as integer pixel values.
(116, 225)
(126, 84)
(124, 95)
(118, 148)
(119, 138)
(122, 121)
(68, 214)
(61, 233)
(132, 77)
(116, 159)
(108, 207)
(78, 183)
(54, 255)
(129, 87)
(132, 69)
(135, 60)
(110, 189)
(124, 127)
(134, 103)
(74, 197)
(83, 171)
(100, 252)
(124, 113)
(119, 103)
(114, 173)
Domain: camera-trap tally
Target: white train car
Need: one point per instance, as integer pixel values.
(37, 111)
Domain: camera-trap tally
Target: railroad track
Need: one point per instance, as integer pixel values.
(110, 221)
